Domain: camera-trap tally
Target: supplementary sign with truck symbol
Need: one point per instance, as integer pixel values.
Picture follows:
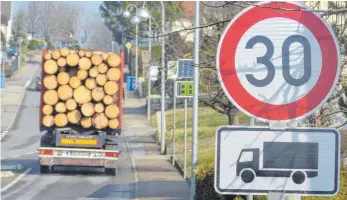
(277, 66)
(258, 160)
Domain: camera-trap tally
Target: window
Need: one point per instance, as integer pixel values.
(247, 156)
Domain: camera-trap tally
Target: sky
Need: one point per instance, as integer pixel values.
(92, 6)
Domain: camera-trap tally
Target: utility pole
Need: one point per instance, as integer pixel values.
(163, 120)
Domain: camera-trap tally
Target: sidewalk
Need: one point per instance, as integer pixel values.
(156, 178)
(13, 95)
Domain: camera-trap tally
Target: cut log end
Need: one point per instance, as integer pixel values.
(81, 53)
(71, 104)
(48, 55)
(100, 121)
(48, 121)
(96, 59)
(90, 83)
(50, 67)
(93, 72)
(104, 56)
(113, 74)
(113, 123)
(50, 97)
(108, 100)
(60, 107)
(74, 116)
(61, 62)
(86, 122)
(47, 109)
(101, 79)
(60, 120)
(99, 108)
(111, 87)
(50, 82)
(65, 92)
(64, 52)
(88, 54)
(82, 74)
(84, 63)
(98, 94)
(63, 78)
(113, 60)
(74, 82)
(72, 59)
(87, 109)
(56, 54)
(82, 95)
(112, 111)
(102, 68)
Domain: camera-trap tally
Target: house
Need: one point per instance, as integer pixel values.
(6, 19)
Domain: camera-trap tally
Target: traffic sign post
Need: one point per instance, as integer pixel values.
(278, 66)
(183, 89)
(257, 160)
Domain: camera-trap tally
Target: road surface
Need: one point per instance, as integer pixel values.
(20, 177)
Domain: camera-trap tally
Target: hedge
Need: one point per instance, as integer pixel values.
(205, 186)
(34, 44)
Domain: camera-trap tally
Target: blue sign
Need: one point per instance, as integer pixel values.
(185, 68)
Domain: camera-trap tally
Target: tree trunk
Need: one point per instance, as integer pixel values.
(233, 117)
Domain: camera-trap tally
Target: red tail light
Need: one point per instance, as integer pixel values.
(111, 154)
(46, 152)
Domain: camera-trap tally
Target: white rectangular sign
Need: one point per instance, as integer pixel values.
(257, 160)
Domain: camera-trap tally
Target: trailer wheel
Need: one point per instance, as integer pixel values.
(298, 177)
(111, 171)
(247, 175)
(44, 169)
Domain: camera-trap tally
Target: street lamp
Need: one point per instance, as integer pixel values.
(134, 20)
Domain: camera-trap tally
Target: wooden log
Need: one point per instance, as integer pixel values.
(99, 121)
(88, 54)
(60, 120)
(98, 94)
(56, 54)
(107, 100)
(112, 111)
(90, 83)
(61, 62)
(87, 109)
(74, 116)
(81, 53)
(50, 82)
(72, 59)
(99, 108)
(50, 97)
(93, 72)
(48, 121)
(102, 68)
(63, 78)
(65, 92)
(50, 67)
(47, 109)
(82, 95)
(113, 74)
(60, 107)
(74, 82)
(113, 60)
(96, 59)
(71, 104)
(113, 123)
(104, 56)
(111, 87)
(86, 122)
(85, 63)
(73, 71)
(82, 74)
(64, 52)
(101, 79)
(48, 55)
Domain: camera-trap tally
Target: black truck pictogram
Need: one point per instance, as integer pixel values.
(298, 160)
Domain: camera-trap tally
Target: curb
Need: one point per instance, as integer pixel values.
(133, 166)
(23, 94)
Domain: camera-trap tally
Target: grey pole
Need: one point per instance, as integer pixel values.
(137, 54)
(195, 100)
(20, 53)
(185, 137)
(149, 65)
(174, 126)
(162, 146)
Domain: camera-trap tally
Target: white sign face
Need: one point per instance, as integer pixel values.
(257, 160)
(153, 73)
(285, 64)
(172, 70)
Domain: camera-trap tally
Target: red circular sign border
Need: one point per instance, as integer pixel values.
(249, 104)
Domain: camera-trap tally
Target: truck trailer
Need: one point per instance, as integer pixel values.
(81, 109)
(298, 160)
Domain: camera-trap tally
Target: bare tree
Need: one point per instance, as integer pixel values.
(33, 17)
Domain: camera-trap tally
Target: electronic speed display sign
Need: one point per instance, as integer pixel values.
(278, 62)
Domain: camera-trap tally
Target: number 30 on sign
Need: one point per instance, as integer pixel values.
(276, 64)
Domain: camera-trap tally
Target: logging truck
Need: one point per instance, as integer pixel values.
(81, 109)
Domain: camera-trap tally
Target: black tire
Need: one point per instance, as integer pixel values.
(44, 169)
(247, 176)
(111, 171)
(298, 177)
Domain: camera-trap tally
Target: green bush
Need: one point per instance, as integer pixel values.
(50, 46)
(35, 44)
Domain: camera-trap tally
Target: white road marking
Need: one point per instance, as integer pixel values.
(27, 84)
(16, 180)
(11, 167)
(6, 174)
(133, 165)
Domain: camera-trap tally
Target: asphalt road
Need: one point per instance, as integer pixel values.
(20, 176)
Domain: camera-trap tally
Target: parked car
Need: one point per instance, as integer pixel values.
(38, 82)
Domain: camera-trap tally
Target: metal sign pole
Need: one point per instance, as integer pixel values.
(251, 123)
(185, 137)
(174, 126)
(195, 100)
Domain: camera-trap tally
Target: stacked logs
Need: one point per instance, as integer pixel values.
(81, 88)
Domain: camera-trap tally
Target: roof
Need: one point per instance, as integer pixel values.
(5, 12)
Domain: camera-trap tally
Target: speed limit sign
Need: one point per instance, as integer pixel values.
(277, 61)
